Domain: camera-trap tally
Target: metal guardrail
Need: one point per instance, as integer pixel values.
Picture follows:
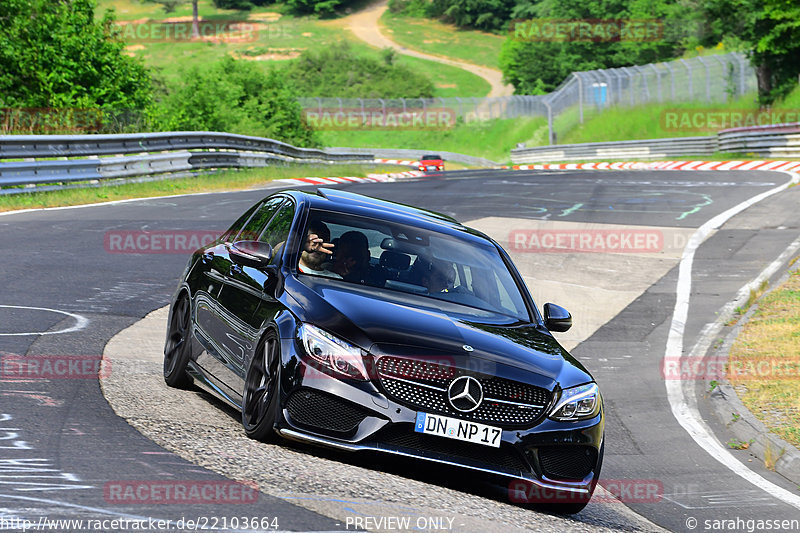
(775, 141)
(778, 141)
(209, 150)
(644, 149)
(22, 146)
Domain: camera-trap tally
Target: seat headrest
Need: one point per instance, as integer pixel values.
(395, 260)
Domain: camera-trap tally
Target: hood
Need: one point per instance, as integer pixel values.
(389, 323)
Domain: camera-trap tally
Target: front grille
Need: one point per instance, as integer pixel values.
(572, 463)
(423, 385)
(308, 407)
(502, 459)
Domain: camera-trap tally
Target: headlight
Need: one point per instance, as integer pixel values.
(335, 354)
(578, 403)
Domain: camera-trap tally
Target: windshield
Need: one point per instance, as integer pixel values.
(428, 265)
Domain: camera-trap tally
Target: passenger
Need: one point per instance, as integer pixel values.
(439, 276)
(352, 257)
(316, 251)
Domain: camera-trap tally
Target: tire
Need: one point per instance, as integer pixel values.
(178, 349)
(260, 398)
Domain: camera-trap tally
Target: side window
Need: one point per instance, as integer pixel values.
(240, 222)
(259, 220)
(278, 230)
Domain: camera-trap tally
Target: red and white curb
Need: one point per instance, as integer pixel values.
(666, 165)
(370, 178)
(404, 162)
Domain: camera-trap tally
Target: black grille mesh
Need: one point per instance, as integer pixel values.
(309, 407)
(423, 385)
(501, 458)
(567, 462)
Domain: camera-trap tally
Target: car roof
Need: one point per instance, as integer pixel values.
(358, 204)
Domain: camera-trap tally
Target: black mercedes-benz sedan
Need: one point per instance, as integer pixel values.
(360, 324)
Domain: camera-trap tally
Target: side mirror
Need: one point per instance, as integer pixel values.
(556, 318)
(254, 254)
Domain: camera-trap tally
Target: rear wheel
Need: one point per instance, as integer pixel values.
(178, 350)
(260, 398)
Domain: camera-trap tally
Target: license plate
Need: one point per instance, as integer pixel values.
(453, 428)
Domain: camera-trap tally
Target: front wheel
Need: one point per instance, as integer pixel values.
(178, 349)
(260, 398)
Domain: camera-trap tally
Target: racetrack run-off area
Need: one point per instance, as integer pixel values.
(626, 234)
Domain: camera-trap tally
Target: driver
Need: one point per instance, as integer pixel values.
(439, 276)
(316, 251)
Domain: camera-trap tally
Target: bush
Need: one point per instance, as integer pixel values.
(234, 97)
(324, 8)
(340, 72)
(56, 55)
(411, 8)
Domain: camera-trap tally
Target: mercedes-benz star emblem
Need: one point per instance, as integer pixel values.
(465, 394)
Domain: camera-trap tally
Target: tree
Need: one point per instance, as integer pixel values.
(481, 14)
(235, 97)
(170, 6)
(56, 55)
(593, 35)
(769, 30)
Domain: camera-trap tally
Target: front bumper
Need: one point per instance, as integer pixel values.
(318, 408)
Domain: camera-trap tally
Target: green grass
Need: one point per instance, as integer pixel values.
(766, 357)
(491, 139)
(139, 9)
(447, 80)
(271, 43)
(651, 121)
(641, 122)
(436, 38)
(222, 181)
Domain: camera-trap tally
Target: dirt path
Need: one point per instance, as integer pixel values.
(365, 26)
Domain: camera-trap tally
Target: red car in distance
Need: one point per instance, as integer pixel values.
(431, 162)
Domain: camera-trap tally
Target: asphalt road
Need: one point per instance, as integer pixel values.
(59, 436)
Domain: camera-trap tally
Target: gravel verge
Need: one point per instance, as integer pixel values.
(200, 429)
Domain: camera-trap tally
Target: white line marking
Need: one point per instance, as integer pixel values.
(75, 506)
(80, 321)
(682, 401)
(712, 329)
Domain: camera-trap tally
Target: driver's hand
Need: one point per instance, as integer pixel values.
(314, 243)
